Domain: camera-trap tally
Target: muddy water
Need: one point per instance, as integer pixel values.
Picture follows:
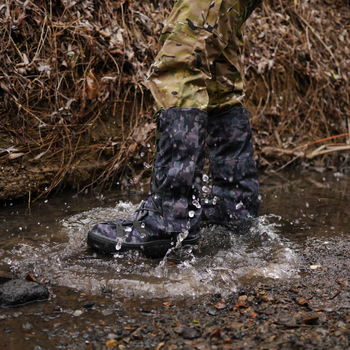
(49, 240)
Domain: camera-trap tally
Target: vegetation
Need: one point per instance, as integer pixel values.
(74, 109)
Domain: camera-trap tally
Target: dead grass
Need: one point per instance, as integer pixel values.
(69, 66)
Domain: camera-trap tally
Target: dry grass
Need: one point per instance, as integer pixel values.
(69, 66)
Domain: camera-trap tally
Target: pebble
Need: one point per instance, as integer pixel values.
(78, 313)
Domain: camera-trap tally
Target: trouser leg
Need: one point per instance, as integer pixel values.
(195, 35)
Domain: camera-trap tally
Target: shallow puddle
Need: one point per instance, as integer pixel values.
(49, 240)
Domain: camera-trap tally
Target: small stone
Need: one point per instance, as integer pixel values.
(112, 336)
(190, 333)
(78, 313)
(89, 304)
(314, 267)
(212, 311)
(302, 301)
(111, 343)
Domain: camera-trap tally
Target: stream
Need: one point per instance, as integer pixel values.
(48, 240)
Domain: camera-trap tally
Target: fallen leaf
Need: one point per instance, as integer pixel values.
(302, 301)
(240, 305)
(168, 303)
(310, 320)
(253, 314)
(216, 333)
(220, 306)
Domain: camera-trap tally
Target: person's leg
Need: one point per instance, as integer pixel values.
(234, 197)
(169, 210)
(193, 38)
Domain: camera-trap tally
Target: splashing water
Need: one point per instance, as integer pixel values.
(225, 261)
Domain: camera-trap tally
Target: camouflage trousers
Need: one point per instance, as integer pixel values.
(199, 63)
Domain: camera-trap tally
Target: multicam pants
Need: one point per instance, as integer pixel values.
(199, 64)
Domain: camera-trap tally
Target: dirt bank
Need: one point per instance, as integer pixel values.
(74, 109)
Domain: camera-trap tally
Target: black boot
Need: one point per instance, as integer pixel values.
(172, 210)
(234, 196)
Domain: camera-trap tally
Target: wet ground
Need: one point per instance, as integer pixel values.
(282, 285)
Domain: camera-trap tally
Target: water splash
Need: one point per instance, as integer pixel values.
(225, 261)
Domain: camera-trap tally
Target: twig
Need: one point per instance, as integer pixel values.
(337, 293)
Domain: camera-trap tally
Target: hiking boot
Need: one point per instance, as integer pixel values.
(233, 199)
(171, 213)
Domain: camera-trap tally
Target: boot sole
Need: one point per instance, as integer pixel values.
(152, 249)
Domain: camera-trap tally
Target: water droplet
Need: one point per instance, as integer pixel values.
(191, 214)
(143, 225)
(148, 145)
(128, 229)
(146, 165)
(307, 204)
(196, 204)
(118, 246)
(206, 200)
(205, 178)
(239, 205)
(230, 179)
(142, 154)
(205, 189)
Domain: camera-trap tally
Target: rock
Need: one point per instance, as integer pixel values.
(78, 313)
(190, 333)
(19, 292)
(111, 343)
(212, 311)
(89, 304)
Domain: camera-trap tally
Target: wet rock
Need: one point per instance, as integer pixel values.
(212, 311)
(190, 333)
(89, 304)
(20, 292)
(179, 330)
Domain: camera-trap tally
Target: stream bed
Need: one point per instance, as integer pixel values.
(301, 213)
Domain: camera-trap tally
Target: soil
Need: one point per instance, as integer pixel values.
(312, 312)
